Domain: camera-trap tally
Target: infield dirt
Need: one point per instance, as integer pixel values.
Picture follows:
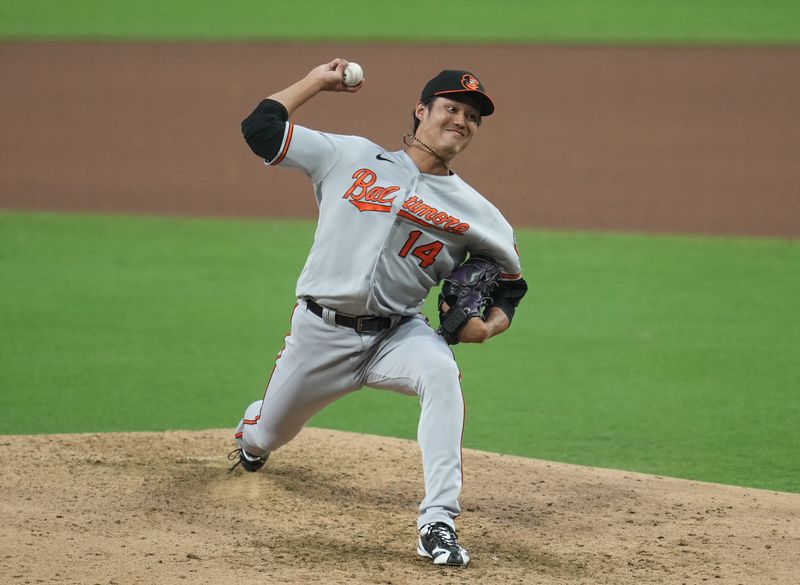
(334, 507)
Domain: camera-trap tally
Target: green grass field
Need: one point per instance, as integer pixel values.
(671, 355)
(466, 21)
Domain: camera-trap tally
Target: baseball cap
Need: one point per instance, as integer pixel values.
(451, 81)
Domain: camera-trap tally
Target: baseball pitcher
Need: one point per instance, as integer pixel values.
(392, 225)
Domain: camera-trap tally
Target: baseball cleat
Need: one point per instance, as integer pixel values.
(439, 542)
(246, 460)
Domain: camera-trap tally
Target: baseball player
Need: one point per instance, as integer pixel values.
(392, 225)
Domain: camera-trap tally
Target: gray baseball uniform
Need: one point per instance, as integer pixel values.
(386, 235)
(391, 226)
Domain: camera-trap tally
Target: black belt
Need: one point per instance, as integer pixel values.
(362, 324)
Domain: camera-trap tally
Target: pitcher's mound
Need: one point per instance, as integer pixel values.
(334, 507)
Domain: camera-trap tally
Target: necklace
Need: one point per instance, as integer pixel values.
(428, 148)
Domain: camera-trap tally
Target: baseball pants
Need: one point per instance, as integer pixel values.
(322, 362)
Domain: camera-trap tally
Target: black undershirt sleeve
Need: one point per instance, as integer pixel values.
(263, 129)
(507, 296)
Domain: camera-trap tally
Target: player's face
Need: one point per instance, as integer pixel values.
(448, 126)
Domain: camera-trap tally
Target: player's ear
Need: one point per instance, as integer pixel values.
(419, 111)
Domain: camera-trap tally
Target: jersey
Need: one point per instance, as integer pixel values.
(387, 234)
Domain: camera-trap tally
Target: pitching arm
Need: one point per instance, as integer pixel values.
(264, 129)
(326, 77)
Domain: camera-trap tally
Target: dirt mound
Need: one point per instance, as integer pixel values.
(336, 507)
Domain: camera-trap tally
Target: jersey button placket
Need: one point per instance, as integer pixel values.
(397, 205)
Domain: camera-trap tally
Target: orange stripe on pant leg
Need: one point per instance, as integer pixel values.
(272, 373)
(463, 426)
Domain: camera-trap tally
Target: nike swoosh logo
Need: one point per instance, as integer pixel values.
(383, 158)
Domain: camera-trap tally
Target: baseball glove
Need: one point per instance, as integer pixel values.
(467, 291)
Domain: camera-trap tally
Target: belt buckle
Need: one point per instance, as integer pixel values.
(363, 325)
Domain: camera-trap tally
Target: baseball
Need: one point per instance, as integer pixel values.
(353, 74)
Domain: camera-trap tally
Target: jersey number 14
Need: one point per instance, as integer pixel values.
(426, 253)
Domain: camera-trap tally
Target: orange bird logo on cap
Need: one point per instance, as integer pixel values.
(469, 82)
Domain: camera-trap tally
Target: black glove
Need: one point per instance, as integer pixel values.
(467, 292)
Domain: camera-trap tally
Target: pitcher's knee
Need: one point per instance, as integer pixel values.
(436, 364)
(445, 373)
(442, 387)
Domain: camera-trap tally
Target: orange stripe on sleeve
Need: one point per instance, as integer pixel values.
(281, 156)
